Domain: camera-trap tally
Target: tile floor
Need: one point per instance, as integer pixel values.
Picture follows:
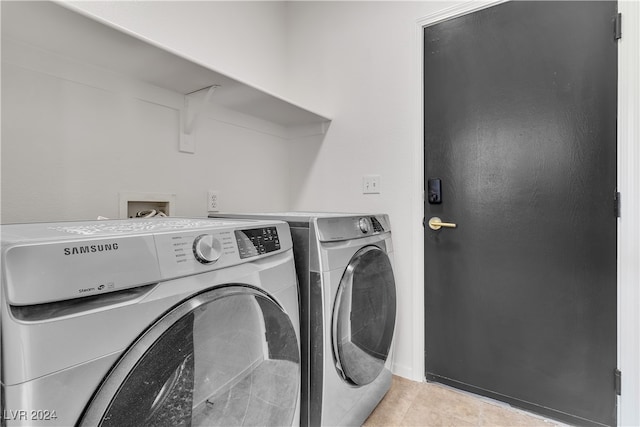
(410, 403)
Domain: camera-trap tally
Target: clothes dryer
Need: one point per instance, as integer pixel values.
(348, 312)
(149, 322)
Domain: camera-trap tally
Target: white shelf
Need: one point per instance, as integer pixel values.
(65, 32)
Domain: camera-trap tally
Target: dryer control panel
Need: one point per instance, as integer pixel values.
(335, 228)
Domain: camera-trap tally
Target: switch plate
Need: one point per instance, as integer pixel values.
(213, 201)
(371, 184)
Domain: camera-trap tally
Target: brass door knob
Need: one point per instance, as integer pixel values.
(436, 223)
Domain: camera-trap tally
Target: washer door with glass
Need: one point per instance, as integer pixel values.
(364, 316)
(226, 357)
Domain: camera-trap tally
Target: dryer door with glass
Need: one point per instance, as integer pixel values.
(364, 316)
(226, 357)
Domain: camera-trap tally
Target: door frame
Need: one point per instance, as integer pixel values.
(628, 148)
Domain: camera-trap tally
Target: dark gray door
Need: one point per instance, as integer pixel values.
(520, 129)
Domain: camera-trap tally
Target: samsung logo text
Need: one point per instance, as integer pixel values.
(87, 249)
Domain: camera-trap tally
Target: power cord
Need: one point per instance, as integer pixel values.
(149, 213)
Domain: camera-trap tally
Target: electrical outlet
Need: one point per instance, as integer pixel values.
(213, 201)
(371, 184)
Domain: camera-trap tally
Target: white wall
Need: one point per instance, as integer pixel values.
(361, 61)
(628, 224)
(73, 139)
(243, 39)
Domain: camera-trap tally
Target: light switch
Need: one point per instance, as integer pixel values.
(371, 184)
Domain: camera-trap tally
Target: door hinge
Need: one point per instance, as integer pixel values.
(616, 204)
(618, 382)
(617, 27)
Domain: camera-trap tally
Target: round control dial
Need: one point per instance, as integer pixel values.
(207, 248)
(364, 225)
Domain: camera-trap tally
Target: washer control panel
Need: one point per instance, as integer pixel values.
(197, 251)
(207, 249)
(80, 259)
(257, 241)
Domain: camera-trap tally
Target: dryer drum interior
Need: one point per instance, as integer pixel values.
(228, 356)
(364, 316)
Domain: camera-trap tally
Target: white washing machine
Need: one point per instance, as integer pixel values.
(348, 312)
(149, 322)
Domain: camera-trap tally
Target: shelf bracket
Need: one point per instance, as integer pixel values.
(189, 123)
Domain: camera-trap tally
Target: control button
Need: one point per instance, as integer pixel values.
(207, 249)
(364, 225)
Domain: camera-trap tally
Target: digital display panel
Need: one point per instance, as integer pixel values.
(257, 241)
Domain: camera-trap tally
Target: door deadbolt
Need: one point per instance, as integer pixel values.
(434, 191)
